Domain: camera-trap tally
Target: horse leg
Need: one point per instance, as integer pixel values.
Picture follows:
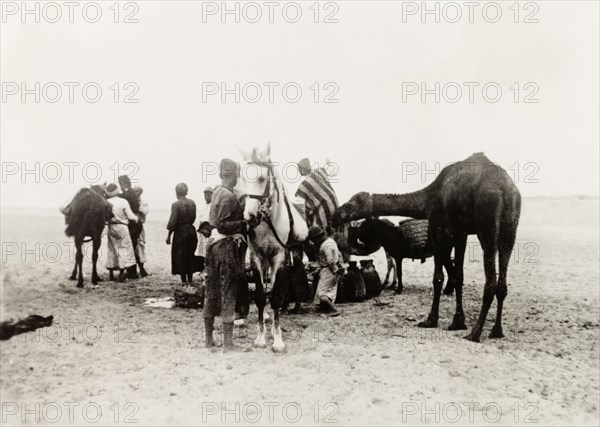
(458, 322)
(261, 301)
(278, 294)
(79, 261)
(400, 287)
(96, 246)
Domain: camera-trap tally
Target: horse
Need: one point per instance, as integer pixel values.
(88, 212)
(281, 226)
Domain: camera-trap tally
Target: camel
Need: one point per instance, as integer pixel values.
(410, 239)
(474, 196)
(87, 214)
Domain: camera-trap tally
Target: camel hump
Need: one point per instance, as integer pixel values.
(478, 157)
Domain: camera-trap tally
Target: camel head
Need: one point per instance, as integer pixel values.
(363, 237)
(359, 206)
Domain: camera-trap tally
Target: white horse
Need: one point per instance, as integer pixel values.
(280, 227)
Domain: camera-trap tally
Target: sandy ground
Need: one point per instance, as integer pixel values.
(109, 358)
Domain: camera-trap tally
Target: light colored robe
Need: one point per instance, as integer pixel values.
(120, 248)
(330, 260)
(203, 214)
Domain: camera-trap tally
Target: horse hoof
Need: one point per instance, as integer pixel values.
(448, 291)
(95, 280)
(73, 278)
(278, 348)
(80, 285)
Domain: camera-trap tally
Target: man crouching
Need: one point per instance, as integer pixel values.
(330, 263)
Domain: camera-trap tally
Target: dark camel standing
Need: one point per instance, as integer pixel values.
(410, 239)
(86, 216)
(474, 196)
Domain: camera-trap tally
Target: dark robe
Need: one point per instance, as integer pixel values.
(185, 239)
(135, 227)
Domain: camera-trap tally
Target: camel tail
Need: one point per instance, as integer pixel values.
(509, 222)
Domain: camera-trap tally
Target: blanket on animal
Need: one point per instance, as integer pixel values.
(321, 201)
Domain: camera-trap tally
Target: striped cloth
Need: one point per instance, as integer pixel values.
(321, 201)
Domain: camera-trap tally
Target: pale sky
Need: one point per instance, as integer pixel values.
(371, 134)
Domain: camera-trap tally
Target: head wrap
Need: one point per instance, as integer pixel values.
(304, 163)
(228, 168)
(112, 190)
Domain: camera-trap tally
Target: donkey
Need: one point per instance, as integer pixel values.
(281, 226)
(87, 214)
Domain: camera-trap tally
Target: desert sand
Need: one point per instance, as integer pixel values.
(108, 358)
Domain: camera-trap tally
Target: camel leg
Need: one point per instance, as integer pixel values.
(400, 286)
(74, 273)
(438, 281)
(458, 322)
(79, 261)
(96, 246)
(506, 247)
(489, 264)
(386, 281)
(450, 284)
(261, 301)
(391, 267)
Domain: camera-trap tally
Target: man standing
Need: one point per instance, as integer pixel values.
(318, 194)
(224, 255)
(135, 229)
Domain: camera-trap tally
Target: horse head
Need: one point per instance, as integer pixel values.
(258, 181)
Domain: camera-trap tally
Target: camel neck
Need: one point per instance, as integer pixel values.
(409, 204)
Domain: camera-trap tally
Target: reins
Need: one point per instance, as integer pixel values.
(264, 199)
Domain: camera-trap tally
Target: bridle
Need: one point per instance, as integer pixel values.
(264, 200)
(270, 187)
